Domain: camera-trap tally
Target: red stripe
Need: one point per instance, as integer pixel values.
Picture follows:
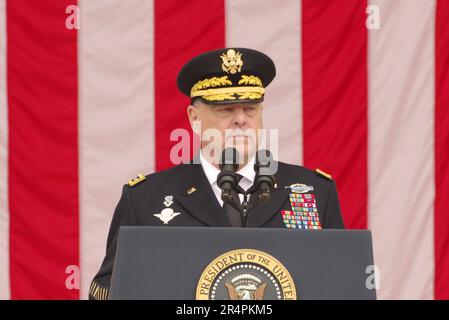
(442, 151)
(43, 149)
(334, 47)
(183, 29)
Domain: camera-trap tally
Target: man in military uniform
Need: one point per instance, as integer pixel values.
(226, 88)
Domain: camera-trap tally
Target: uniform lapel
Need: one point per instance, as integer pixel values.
(203, 205)
(262, 213)
(200, 203)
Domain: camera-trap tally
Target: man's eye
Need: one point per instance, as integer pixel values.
(224, 109)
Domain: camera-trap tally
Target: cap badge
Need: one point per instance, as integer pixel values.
(232, 61)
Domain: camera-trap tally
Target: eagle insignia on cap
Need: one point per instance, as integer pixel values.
(232, 61)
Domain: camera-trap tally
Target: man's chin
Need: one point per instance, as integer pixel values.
(246, 152)
(240, 142)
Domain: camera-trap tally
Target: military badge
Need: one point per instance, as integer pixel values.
(168, 201)
(240, 275)
(167, 215)
(298, 220)
(231, 61)
(137, 180)
(299, 188)
(304, 213)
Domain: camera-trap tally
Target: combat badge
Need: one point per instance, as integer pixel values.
(299, 188)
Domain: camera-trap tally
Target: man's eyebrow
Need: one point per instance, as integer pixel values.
(225, 106)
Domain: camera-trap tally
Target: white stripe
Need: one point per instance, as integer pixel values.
(4, 208)
(276, 30)
(115, 114)
(401, 155)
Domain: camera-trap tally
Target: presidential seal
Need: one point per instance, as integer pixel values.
(245, 274)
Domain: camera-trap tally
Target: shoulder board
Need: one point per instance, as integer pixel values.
(136, 181)
(324, 174)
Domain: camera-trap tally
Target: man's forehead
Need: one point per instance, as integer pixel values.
(229, 105)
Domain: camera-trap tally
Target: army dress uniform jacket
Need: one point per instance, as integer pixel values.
(194, 204)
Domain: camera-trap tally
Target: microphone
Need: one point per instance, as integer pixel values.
(226, 179)
(264, 180)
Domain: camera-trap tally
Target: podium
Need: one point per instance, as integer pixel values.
(183, 263)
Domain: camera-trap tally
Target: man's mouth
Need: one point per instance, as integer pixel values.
(239, 136)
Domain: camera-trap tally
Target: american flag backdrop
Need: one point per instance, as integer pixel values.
(84, 110)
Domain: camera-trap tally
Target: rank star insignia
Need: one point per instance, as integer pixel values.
(168, 201)
(137, 180)
(300, 188)
(167, 215)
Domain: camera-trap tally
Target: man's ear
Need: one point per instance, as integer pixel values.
(192, 113)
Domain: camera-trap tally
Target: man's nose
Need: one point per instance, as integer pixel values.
(239, 117)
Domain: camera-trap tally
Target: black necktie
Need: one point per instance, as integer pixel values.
(234, 216)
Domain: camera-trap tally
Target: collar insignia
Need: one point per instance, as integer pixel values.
(191, 190)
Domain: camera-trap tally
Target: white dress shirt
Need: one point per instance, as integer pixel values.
(247, 172)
